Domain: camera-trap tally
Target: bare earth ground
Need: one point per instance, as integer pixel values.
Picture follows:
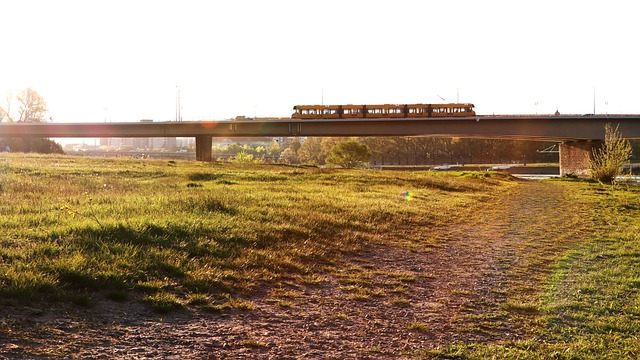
(388, 302)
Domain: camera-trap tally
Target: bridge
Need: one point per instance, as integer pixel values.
(577, 134)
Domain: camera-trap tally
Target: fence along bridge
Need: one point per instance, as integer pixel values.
(577, 134)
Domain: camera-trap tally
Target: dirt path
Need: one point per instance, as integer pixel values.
(388, 302)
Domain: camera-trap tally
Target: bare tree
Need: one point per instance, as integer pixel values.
(31, 106)
(5, 111)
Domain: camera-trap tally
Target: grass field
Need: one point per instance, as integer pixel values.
(177, 230)
(177, 235)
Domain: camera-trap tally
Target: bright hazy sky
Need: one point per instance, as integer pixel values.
(123, 60)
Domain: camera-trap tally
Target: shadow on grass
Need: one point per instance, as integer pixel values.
(121, 257)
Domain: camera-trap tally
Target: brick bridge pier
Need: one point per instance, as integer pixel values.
(575, 156)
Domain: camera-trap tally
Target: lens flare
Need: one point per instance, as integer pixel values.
(407, 195)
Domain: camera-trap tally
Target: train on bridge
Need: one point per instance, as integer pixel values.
(307, 112)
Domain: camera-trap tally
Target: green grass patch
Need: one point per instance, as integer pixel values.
(418, 326)
(164, 302)
(588, 305)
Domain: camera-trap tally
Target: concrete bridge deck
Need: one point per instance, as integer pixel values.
(525, 127)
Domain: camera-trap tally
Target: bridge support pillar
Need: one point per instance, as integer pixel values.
(575, 156)
(203, 147)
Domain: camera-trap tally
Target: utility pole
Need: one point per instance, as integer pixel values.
(178, 114)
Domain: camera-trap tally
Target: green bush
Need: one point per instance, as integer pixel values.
(349, 154)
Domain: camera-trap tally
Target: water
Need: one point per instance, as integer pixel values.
(625, 179)
(536, 176)
(628, 179)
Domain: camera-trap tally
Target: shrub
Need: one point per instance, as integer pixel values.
(349, 154)
(245, 158)
(607, 161)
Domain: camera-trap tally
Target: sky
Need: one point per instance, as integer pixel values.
(96, 61)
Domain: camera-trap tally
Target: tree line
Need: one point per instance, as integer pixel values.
(395, 150)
